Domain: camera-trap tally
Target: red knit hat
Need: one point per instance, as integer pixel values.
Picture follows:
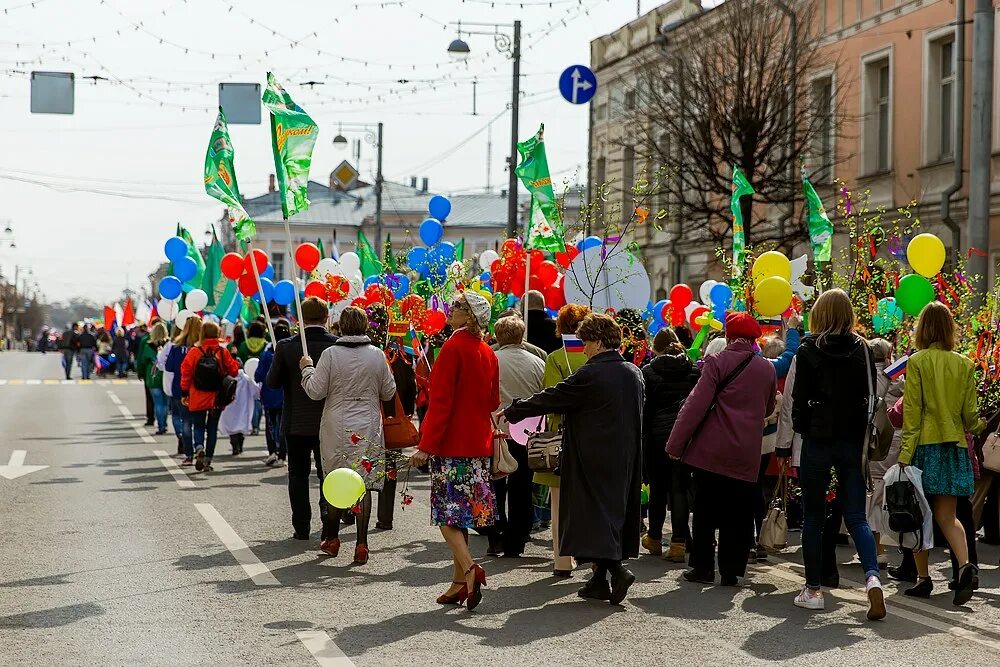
(742, 325)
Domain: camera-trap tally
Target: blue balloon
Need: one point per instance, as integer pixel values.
(656, 325)
(175, 248)
(284, 292)
(511, 300)
(431, 231)
(658, 311)
(402, 283)
(439, 207)
(721, 296)
(719, 313)
(372, 280)
(589, 242)
(446, 252)
(268, 272)
(185, 269)
(417, 259)
(170, 287)
(552, 313)
(268, 290)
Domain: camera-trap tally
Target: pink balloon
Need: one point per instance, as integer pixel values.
(520, 431)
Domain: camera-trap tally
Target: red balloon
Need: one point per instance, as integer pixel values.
(516, 285)
(433, 322)
(547, 273)
(359, 303)
(537, 257)
(695, 314)
(379, 294)
(259, 258)
(554, 297)
(232, 265)
(509, 247)
(681, 295)
(248, 284)
(412, 306)
(672, 313)
(337, 288)
(316, 288)
(307, 256)
(564, 259)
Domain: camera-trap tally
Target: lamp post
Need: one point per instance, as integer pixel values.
(792, 119)
(459, 50)
(373, 135)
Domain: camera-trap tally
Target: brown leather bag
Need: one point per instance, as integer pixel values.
(398, 428)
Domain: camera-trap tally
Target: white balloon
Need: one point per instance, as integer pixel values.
(355, 276)
(487, 258)
(619, 281)
(182, 317)
(350, 263)
(799, 266)
(706, 290)
(250, 367)
(196, 300)
(327, 265)
(166, 309)
(690, 308)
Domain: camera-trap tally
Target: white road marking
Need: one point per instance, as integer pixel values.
(114, 398)
(322, 648)
(257, 571)
(3, 382)
(175, 471)
(33, 382)
(143, 434)
(126, 413)
(16, 467)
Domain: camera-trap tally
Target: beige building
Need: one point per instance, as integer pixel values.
(897, 114)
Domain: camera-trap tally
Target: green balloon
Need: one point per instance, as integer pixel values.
(914, 292)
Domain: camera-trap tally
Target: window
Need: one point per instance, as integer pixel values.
(946, 90)
(629, 100)
(601, 172)
(877, 105)
(628, 182)
(601, 113)
(822, 98)
(278, 262)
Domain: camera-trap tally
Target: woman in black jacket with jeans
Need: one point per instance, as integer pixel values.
(669, 378)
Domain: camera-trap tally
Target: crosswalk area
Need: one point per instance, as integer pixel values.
(19, 382)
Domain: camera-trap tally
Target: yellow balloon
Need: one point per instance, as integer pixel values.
(343, 488)
(926, 254)
(772, 296)
(770, 264)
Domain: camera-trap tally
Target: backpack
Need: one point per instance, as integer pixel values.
(903, 508)
(878, 431)
(227, 394)
(208, 373)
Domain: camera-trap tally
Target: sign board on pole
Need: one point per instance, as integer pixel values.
(52, 92)
(577, 84)
(241, 102)
(345, 175)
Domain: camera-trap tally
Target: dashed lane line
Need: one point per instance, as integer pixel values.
(323, 650)
(256, 570)
(114, 398)
(175, 471)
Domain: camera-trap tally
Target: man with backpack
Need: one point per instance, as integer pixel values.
(208, 384)
(301, 415)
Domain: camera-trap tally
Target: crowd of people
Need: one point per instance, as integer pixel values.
(645, 426)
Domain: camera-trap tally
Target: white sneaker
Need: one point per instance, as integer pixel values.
(271, 459)
(279, 463)
(876, 599)
(810, 599)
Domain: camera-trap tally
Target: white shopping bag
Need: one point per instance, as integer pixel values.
(909, 540)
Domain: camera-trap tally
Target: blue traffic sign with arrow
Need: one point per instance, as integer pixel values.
(578, 84)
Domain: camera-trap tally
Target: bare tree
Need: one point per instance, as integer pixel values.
(717, 93)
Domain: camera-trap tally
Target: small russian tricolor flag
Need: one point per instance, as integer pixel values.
(897, 368)
(572, 343)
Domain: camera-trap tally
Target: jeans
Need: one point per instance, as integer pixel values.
(300, 449)
(257, 411)
(205, 423)
(272, 432)
(182, 425)
(160, 405)
(122, 366)
(818, 456)
(727, 505)
(86, 362)
(68, 356)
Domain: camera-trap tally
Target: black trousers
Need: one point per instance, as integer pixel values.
(300, 449)
(387, 496)
(766, 486)
(681, 501)
(658, 470)
(515, 505)
(149, 405)
(726, 505)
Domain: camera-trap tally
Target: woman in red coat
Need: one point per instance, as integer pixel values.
(201, 403)
(457, 438)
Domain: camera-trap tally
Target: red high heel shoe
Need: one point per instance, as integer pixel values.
(361, 554)
(330, 547)
(475, 595)
(457, 598)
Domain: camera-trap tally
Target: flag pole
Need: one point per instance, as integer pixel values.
(296, 281)
(260, 289)
(527, 283)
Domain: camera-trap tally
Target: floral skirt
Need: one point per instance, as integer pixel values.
(947, 470)
(462, 492)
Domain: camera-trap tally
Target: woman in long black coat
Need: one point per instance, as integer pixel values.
(601, 463)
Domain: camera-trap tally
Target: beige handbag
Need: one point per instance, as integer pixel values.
(991, 452)
(504, 462)
(774, 531)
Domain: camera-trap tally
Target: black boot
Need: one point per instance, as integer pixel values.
(596, 588)
(923, 589)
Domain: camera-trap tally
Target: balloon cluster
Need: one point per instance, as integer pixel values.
(678, 309)
(772, 275)
(507, 272)
(432, 261)
(241, 269)
(185, 269)
(926, 254)
(333, 281)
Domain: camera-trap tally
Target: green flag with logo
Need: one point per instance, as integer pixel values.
(195, 255)
(220, 178)
(544, 229)
(213, 279)
(319, 246)
(820, 227)
(370, 266)
(741, 187)
(293, 136)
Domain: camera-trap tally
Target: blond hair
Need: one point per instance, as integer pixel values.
(190, 334)
(936, 326)
(832, 314)
(158, 334)
(773, 348)
(509, 330)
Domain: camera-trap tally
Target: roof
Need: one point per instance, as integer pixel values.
(326, 207)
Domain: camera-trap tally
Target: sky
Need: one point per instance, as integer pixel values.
(92, 197)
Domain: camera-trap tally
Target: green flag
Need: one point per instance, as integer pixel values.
(213, 278)
(741, 187)
(820, 227)
(460, 250)
(322, 251)
(293, 136)
(370, 266)
(251, 310)
(195, 255)
(544, 229)
(389, 260)
(220, 179)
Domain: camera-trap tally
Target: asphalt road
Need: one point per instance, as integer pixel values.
(111, 555)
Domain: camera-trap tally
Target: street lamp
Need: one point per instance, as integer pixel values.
(459, 50)
(373, 135)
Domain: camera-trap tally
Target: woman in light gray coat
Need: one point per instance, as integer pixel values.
(354, 379)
